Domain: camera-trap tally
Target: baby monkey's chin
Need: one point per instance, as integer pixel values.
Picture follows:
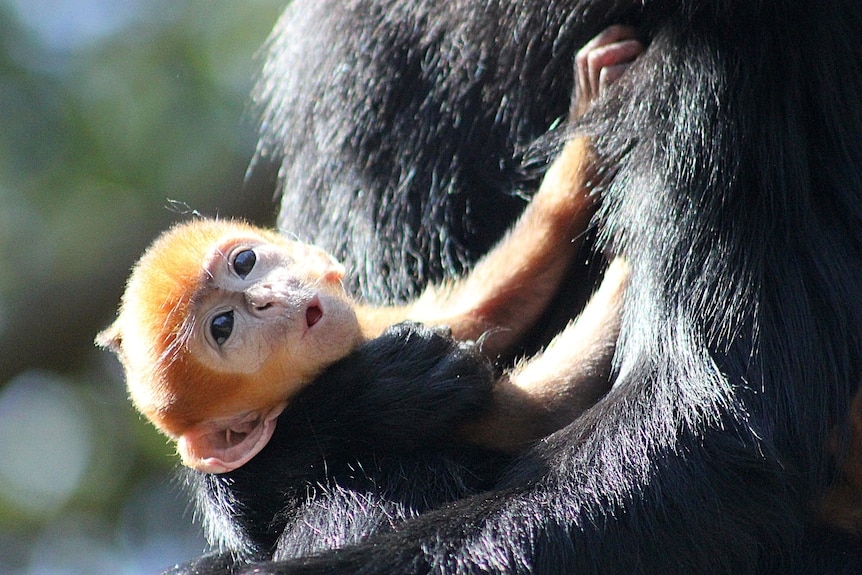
(330, 331)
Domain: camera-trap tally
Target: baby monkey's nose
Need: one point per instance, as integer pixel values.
(262, 298)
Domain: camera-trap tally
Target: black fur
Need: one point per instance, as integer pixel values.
(737, 138)
(370, 444)
(403, 127)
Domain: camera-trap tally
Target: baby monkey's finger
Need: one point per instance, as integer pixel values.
(615, 47)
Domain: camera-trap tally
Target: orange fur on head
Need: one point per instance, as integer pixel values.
(166, 383)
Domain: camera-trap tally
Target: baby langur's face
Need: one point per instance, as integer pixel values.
(278, 310)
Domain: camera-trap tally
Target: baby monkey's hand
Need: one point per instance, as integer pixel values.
(602, 61)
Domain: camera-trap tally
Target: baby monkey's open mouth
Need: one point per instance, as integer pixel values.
(313, 313)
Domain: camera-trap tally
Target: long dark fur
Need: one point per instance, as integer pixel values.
(737, 139)
(369, 445)
(403, 127)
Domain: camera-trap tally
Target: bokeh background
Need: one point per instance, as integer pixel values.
(117, 117)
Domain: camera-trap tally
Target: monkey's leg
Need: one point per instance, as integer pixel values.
(549, 390)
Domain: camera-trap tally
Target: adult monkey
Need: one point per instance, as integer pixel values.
(738, 202)
(379, 436)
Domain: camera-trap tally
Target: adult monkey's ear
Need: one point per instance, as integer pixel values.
(227, 445)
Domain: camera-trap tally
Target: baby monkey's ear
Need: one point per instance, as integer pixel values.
(227, 445)
(111, 338)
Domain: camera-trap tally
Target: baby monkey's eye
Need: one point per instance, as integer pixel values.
(243, 263)
(221, 327)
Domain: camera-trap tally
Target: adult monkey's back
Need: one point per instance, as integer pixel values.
(401, 127)
(738, 201)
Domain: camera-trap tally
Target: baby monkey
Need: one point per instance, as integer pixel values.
(222, 323)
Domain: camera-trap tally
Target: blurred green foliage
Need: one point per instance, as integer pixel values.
(110, 111)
